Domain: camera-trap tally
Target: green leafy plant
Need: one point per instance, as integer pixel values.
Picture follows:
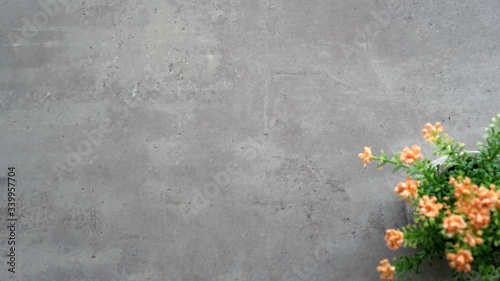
(456, 203)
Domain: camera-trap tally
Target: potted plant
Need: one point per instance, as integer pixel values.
(456, 204)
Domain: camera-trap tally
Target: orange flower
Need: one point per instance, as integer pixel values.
(475, 202)
(366, 156)
(488, 198)
(429, 207)
(386, 270)
(462, 187)
(472, 240)
(479, 218)
(410, 156)
(431, 133)
(407, 189)
(394, 238)
(461, 260)
(454, 224)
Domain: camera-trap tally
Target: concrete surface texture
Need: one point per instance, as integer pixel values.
(189, 140)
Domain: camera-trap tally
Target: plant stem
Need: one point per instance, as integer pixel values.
(385, 160)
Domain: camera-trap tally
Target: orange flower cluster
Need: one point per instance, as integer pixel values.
(429, 207)
(386, 270)
(408, 189)
(461, 260)
(487, 198)
(454, 224)
(472, 240)
(409, 156)
(462, 186)
(394, 238)
(475, 202)
(366, 156)
(431, 133)
(472, 214)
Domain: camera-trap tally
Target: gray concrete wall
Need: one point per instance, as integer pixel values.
(218, 140)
